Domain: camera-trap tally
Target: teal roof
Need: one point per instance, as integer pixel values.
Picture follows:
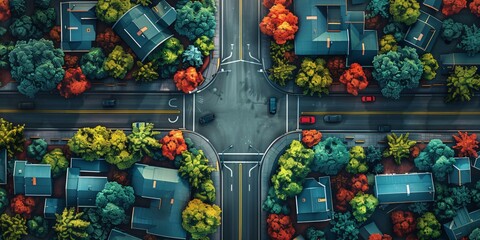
(403, 188)
(314, 203)
(462, 224)
(3, 166)
(368, 230)
(461, 173)
(143, 29)
(78, 21)
(52, 206)
(155, 182)
(462, 59)
(423, 33)
(19, 177)
(96, 166)
(476, 164)
(32, 179)
(119, 235)
(433, 4)
(363, 45)
(81, 191)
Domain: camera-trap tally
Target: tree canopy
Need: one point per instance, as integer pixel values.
(118, 63)
(331, 156)
(398, 147)
(57, 161)
(109, 11)
(11, 137)
(405, 11)
(113, 202)
(69, 225)
(279, 23)
(430, 154)
(201, 219)
(314, 77)
(92, 64)
(194, 20)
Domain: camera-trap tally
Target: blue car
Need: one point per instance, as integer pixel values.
(272, 105)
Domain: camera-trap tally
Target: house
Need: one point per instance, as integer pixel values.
(119, 235)
(462, 224)
(78, 21)
(32, 179)
(368, 230)
(169, 194)
(52, 206)
(424, 32)
(327, 28)
(404, 188)
(461, 173)
(96, 166)
(314, 203)
(3, 166)
(476, 164)
(433, 4)
(81, 191)
(449, 61)
(144, 28)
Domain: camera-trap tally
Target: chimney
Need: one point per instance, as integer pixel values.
(155, 184)
(363, 48)
(172, 201)
(328, 42)
(34, 181)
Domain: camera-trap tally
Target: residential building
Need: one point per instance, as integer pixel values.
(3, 166)
(52, 206)
(314, 203)
(81, 191)
(404, 188)
(476, 164)
(368, 230)
(433, 4)
(424, 32)
(461, 173)
(169, 194)
(449, 61)
(78, 22)
(144, 28)
(96, 166)
(119, 235)
(462, 224)
(32, 179)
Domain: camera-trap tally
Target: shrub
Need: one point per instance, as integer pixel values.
(118, 63)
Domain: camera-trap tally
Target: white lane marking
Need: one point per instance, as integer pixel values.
(231, 187)
(231, 172)
(170, 102)
(173, 121)
(229, 56)
(241, 61)
(243, 154)
(250, 54)
(250, 171)
(223, 25)
(249, 187)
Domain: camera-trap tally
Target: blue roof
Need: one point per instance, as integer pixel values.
(19, 177)
(402, 188)
(314, 203)
(155, 182)
(423, 33)
(462, 224)
(32, 179)
(476, 164)
(433, 4)
(78, 21)
(368, 230)
(52, 206)
(96, 166)
(143, 29)
(81, 191)
(119, 235)
(3, 166)
(363, 45)
(461, 173)
(462, 59)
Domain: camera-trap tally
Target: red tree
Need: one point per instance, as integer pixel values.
(467, 145)
(149, 237)
(173, 144)
(120, 177)
(342, 198)
(22, 205)
(270, 3)
(280, 227)
(451, 7)
(354, 78)
(378, 236)
(71, 61)
(336, 66)
(4, 10)
(359, 183)
(403, 223)
(187, 80)
(74, 83)
(55, 34)
(311, 137)
(475, 7)
(279, 23)
(107, 40)
(341, 180)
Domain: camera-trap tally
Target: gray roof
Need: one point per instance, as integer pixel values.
(402, 188)
(314, 203)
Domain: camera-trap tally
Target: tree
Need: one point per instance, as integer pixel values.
(173, 144)
(97, 230)
(57, 161)
(107, 40)
(442, 167)
(342, 199)
(403, 223)
(378, 236)
(17, 7)
(141, 141)
(444, 205)
(3, 200)
(168, 52)
(113, 202)
(466, 145)
(315, 234)
(331, 156)
(430, 154)
(462, 83)
(395, 29)
(462, 196)
(90, 143)
(118, 154)
(22, 205)
(192, 57)
(279, 227)
(475, 9)
(206, 192)
(282, 53)
(451, 30)
(37, 149)
(74, 83)
(204, 44)
(354, 79)
(398, 147)
(279, 23)
(71, 61)
(201, 219)
(345, 227)
(187, 80)
(405, 11)
(36, 65)
(92, 64)
(359, 183)
(109, 11)
(357, 163)
(5, 49)
(475, 194)
(4, 10)
(336, 66)
(470, 42)
(419, 207)
(13, 228)
(38, 227)
(42, 4)
(194, 20)
(145, 72)
(378, 8)
(118, 63)
(273, 204)
(54, 34)
(44, 19)
(475, 234)
(270, 3)
(11, 137)
(388, 43)
(373, 155)
(23, 28)
(363, 206)
(451, 7)
(281, 73)
(69, 225)
(430, 66)
(397, 70)
(428, 227)
(195, 168)
(311, 137)
(314, 77)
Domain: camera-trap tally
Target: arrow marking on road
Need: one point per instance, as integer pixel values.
(231, 172)
(170, 102)
(174, 121)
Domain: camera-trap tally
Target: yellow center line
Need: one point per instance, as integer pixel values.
(240, 187)
(392, 113)
(240, 30)
(92, 111)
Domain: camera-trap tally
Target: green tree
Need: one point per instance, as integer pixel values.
(378, 7)
(37, 149)
(192, 56)
(118, 154)
(42, 4)
(69, 225)
(113, 202)
(141, 141)
(470, 42)
(462, 196)
(206, 192)
(17, 7)
(357, 163)
(38, 227)
(97, 230)
(373, 154)
(109, 11)
(451, 30)
(314, 77)
(419, 207)
(194, 20)
(145, 72)
(444, 205)
(92, 64)
(118, 63)
(12, 228)
(428, 227)
(397, 70)
(442, 167)
(398, 147)
(331, 156)
(273, 204)
(475, 194)
(345, 227)
(23, 28)
(11, 137)
(315, 234)
(282, 73)
(434, 150)
(5, 49)
(430, 66)
(168, 53)
(195, 168)
(144, 2)
(90, 143)
(475, 234)
(205, 45)
(44, 19)
(201, 219)
(363, 206)
(3, 200)
(57, 161)
(405, 11)
(278, 52)
(395, 29)
(388, 43)
(462, 83)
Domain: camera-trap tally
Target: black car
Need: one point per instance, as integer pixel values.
(26, 105)
(109, 103)
(384, 128)
(332, 118)
(206, 118)
(272, 105)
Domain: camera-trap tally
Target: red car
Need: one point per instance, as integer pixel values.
(368, 98)
(307, 119)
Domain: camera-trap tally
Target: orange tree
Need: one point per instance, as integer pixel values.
(187, 80)
(270, 3)
(311, 137)
(354, 79)
(451, 7)
(22, 205)
(466, 145)
(173, 144)
(279, 23)
(403, 223)
(74, 83)
(280, 227)
(4, 10)
(475, 7)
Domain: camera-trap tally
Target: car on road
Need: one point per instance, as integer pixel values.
(384, 128)
(368, 99)
(109, 103)
(26, 105)
(332, 118)
(206, 118)
(307, 119)
(272, 105)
